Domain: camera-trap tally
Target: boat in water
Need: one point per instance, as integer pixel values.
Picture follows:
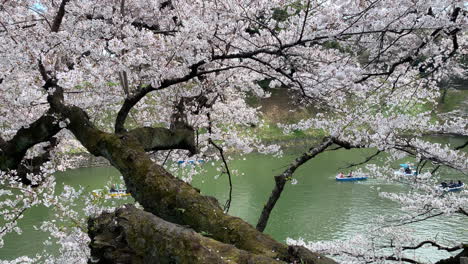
(454, 187)
(349, 178)
(403, 173)
(406, 170)
(112, 193)
(190, 161)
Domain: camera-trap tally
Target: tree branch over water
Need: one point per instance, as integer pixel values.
(365, 161)
(280, 180)
(228, 172)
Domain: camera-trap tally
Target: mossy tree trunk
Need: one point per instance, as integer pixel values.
(166, 196)
(130, 235)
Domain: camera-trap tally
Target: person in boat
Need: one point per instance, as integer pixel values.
(451, 184)
(341, 175)
(350, 174)
(407, 170)
(443, 184)
(112, 188)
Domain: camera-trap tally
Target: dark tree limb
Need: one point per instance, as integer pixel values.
(159, 138)
(155, 29)
(33, 166)
(3, 144)
(462, 146)
(195, 71)
(462, 211)
(439, 247)
(408, 260)
(365, 161)
(41, 130)
(455, 259)
(228, 172)
(364, 259)
(132, 100)
(17, 216)
(280, 180)
(59, 17)
(130, 235)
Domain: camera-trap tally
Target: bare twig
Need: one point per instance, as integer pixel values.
(227, 205)
(167, 156)
(462, 211)
(365, 161)
(13, 220)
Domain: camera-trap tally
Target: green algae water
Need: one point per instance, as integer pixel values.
(316, 208)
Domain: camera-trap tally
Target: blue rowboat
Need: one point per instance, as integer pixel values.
(452, 188)
(190, 161)
(345, 178)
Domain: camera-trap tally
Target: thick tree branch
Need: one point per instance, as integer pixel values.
(131, 101)
(280, 180)
(130, 235)
(59, 17)
(462, 211)
(155, 29)
(41, 130)
(158, 138)
(345, 144)
(455, 259)
(33, 166)
(439, 247)
(389, 71)
(2, 143)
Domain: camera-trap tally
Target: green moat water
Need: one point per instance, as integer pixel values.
(317, 208)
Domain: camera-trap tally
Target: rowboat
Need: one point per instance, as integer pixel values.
(403, 173)
(190, 161)
(110, 194)
(451, 188)
(346, 178)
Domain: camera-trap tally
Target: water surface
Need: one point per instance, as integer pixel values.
(317, 208)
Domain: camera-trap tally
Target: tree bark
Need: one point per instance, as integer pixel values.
(159, 138)
(130, 235)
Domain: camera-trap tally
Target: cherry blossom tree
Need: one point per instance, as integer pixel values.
(122, 79)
